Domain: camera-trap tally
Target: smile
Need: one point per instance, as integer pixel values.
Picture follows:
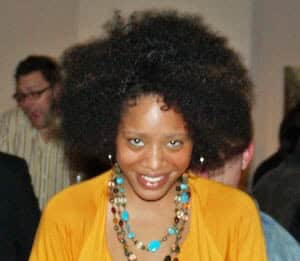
(152, 179)
(150, 182)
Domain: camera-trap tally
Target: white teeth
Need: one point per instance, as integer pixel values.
(153, 179)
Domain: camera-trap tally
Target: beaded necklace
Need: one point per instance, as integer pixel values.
(121, 218)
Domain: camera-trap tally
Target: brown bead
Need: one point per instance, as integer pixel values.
(167, 258)
(176, 220)
(175, 259)
(175, 249)
(126, 251)
(121, 223)
(113, 210)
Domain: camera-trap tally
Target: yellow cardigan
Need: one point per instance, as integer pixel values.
(224, 225)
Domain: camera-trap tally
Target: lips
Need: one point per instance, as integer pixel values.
(152, 182)
(34, 115)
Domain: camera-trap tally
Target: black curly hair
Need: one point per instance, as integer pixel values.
(157, 52)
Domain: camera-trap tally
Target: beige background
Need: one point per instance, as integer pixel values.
(265, 33)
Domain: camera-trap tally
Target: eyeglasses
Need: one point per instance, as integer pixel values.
(20, 97)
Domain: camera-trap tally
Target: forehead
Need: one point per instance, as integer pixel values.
(149, 114)
(32, 81)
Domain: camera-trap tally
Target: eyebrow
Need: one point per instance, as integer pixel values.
(168, 135)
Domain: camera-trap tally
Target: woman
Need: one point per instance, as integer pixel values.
(150, 97)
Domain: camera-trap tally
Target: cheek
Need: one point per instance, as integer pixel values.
(45, 102)
(125, 156)
(180, 159)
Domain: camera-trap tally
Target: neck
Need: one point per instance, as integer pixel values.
(52, 130)
(45, 134)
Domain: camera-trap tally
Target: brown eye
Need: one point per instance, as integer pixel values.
(174, 144)
(136, 142)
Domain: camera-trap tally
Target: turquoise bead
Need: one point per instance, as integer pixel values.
(171, 231)
(153, 245)
(183, 186)
(125, 215)
(131, 235)
(122, 190)
(119, 180)
(184, 198)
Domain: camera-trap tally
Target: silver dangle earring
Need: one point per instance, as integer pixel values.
(114, 165)
(202, 159)
(109, 156)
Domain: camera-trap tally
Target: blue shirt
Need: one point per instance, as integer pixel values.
(280, 244)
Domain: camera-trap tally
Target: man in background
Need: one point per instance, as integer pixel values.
(19, 209)
(238, 133)
(29, 130)
(281, 246)
(278, 191)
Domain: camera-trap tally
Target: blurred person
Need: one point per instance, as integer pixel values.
(288, 136)
(280, 244)
(29, 131)
(238, 132)
(278, 192)
(150, 97)
(19, 209)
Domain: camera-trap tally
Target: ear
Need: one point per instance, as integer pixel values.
(247, 156)
(57, 91)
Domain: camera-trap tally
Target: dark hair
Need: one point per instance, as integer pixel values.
(45, 64)
(173, 55)
(290, 131)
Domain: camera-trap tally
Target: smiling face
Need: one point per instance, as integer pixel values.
(153, 148)
(38, 109)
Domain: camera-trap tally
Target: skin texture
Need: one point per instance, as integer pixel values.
(155, 143)
(38, 110)
(230, 173)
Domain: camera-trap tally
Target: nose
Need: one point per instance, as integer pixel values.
(155, 157)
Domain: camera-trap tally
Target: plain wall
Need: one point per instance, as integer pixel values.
(275, 44)
(32, 27)
(232, 18)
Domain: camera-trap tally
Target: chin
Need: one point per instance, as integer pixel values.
(152, 194)
(37, 126)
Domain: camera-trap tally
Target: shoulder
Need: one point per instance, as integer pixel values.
(5, 157)
(223, 201)
(15, 179)
(13, 117)
(12, 121)
(78, 200)
(12, 164)
(12, 114)
(279, 242)
(281, 181)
